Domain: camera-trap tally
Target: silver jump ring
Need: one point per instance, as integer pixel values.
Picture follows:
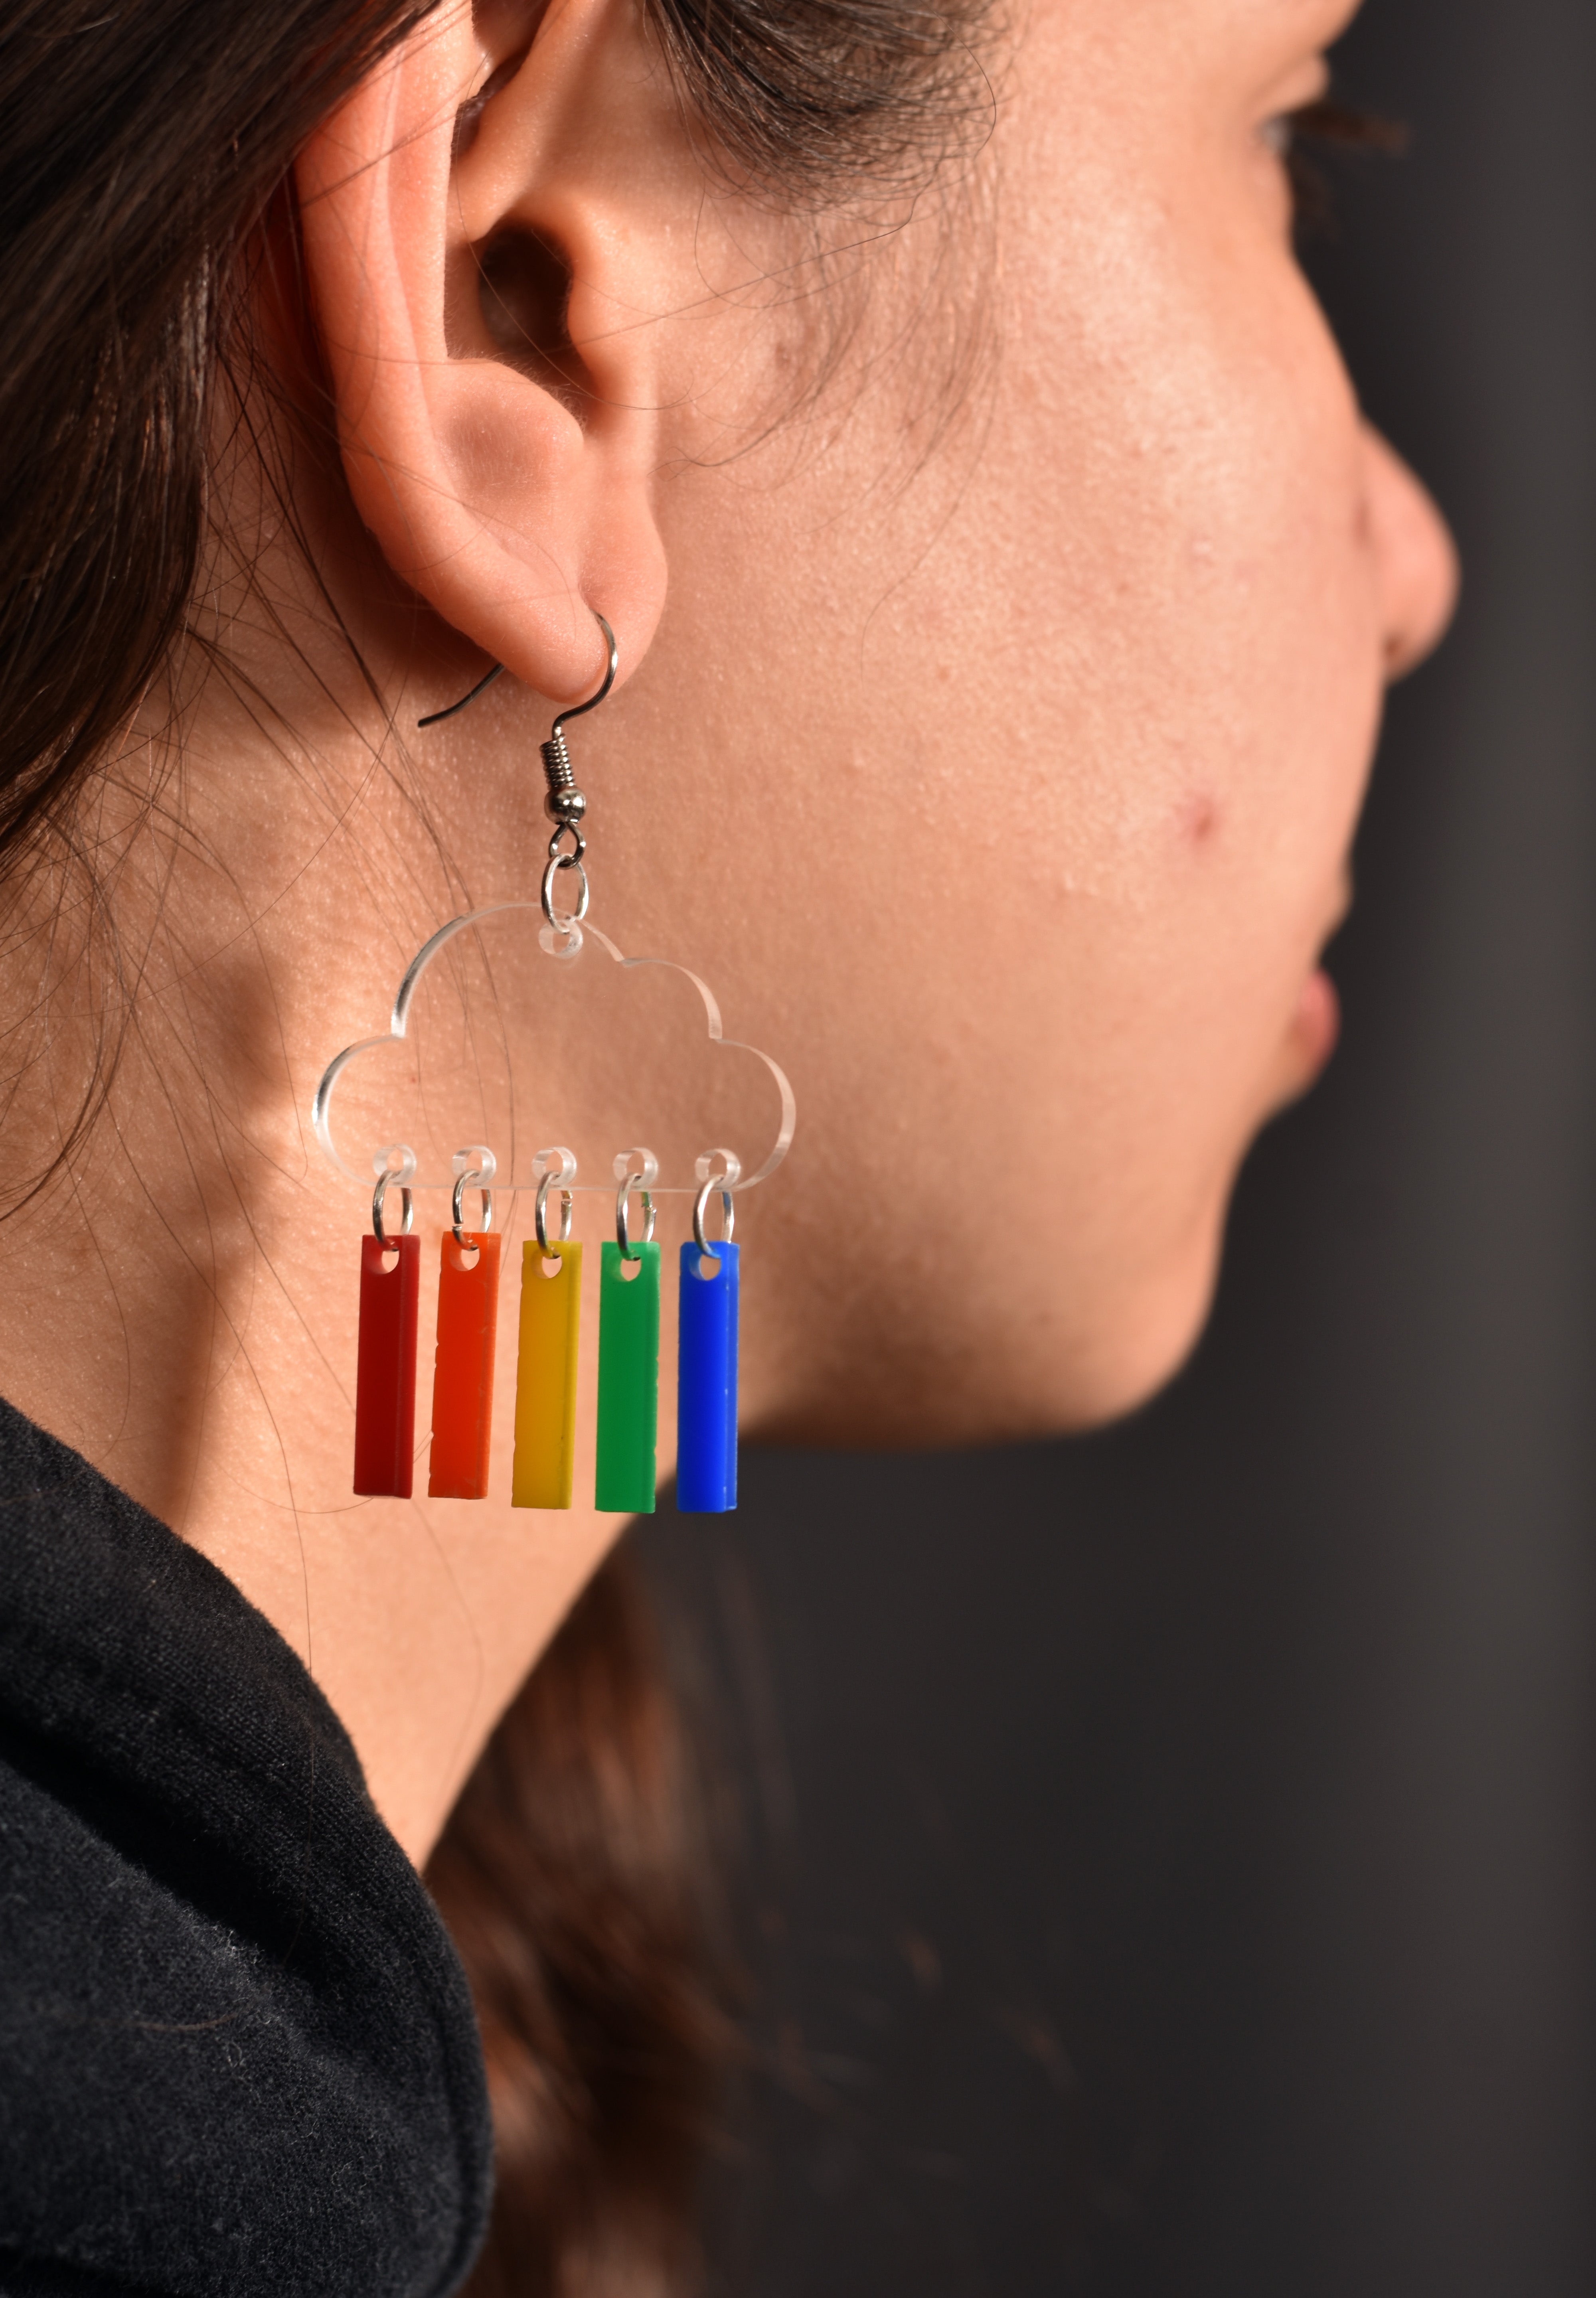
(700, 1208)
(405, 1199)
(539, 1214)
(557, 863)
(471, 1181)
(629, 1181)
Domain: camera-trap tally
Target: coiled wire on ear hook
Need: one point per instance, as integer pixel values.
(563, 803)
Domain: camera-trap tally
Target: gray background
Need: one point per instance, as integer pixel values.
(1168, 1857)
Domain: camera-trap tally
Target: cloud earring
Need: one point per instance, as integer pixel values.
(438, 1076)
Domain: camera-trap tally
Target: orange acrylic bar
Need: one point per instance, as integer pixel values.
(386, 1368)
(463, 1367)
(546, 1378)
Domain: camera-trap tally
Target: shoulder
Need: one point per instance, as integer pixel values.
(237, 2049)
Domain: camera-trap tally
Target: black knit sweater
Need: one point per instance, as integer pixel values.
(237, 2055)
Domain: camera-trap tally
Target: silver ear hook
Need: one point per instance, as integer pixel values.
(465, 702)
(563, 804)
(555, 735)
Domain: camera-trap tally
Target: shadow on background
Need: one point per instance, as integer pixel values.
(1170, 1854)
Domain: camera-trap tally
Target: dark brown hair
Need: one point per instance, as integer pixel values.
(141, 145)
(564, 1874)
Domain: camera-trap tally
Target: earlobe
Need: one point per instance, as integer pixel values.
(505, 477)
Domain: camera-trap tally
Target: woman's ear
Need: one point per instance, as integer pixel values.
(486, 222)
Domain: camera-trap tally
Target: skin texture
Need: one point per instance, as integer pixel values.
(1006, 586)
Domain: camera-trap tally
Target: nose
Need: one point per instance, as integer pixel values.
(1416, 560)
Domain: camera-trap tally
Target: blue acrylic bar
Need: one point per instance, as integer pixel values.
(707, 1384)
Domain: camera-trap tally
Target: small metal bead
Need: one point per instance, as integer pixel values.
(566, 805)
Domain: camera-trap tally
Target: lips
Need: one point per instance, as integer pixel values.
(1314, 1026)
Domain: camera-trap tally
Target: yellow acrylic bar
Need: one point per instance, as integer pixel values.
(546, 1377)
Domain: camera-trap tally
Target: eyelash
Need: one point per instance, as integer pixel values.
(1333, 127)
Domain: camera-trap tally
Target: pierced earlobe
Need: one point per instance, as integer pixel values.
(565, 804)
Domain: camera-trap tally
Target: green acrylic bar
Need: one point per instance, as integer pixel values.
(628, 1382)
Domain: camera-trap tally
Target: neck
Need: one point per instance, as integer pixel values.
(182, 1292)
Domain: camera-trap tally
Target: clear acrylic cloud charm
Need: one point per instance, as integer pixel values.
(508, 1034)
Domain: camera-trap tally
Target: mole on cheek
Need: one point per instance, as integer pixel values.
(1197, 817)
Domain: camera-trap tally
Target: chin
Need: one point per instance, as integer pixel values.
(907, 1399)
(1130, 1356)
(1152, 1349)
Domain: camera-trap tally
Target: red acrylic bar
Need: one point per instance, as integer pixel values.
(386, 1368)
(463, 1368)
